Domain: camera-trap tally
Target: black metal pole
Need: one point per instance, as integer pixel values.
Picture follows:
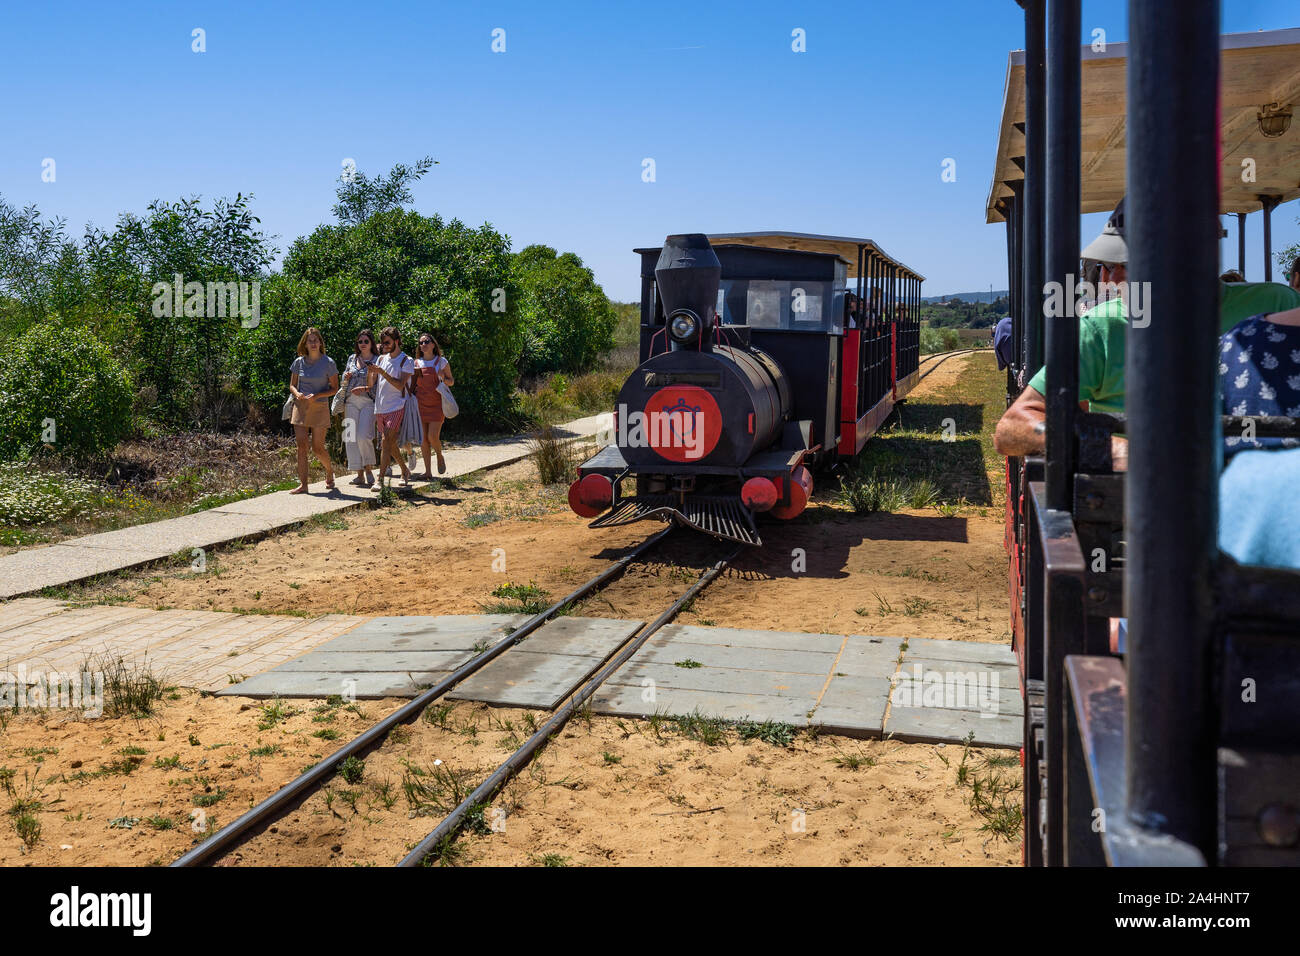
(1035, 159)
(1062, 244)
(1269, 203)
(1241, 244)
(1172, 381)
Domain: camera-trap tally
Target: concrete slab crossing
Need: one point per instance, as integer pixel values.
(855, 685)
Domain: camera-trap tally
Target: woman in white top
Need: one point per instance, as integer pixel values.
(359, 410)
(431, 367)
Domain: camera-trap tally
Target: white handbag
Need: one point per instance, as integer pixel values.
(450, 408)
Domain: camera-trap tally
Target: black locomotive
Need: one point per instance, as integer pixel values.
(749, 379)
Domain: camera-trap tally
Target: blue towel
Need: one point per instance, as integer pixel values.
(1259, 522)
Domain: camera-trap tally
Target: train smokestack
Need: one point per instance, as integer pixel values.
(687, 275)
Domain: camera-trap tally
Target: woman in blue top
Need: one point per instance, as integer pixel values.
(1259, 370)
(313, 378)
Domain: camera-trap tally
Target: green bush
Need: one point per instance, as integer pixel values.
(403, 269)
(568, 322)
(62, 382)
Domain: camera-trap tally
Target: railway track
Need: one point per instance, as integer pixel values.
(448, 828)
(292, 794)
(287, 798)
(943, 357)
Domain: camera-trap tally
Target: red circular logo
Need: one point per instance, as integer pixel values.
(682, 423)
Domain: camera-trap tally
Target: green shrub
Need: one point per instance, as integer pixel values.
(62, 382)
(402, 269)
(568, 322)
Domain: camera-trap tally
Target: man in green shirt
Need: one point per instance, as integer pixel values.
(1022, 428)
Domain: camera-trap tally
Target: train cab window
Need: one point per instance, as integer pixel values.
(777, 304)
(765, 302)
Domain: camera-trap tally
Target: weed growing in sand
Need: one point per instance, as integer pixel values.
(28, 829)
(950, 509)
(550, 859)
(519, 599)
(437, 790)
(993, 795)
(612, 758)
(161, 822)
(273, 713)
(915, 606)
(769, 731)
(267, 751)
(130, 690)
(352, 770)
(439, 715)
(327, 733)
(853, 761)
(554, 456)
(211, 797)
(711, 731)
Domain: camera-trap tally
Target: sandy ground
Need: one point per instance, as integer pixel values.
(607, 791)
(604, 792)
(141, 791)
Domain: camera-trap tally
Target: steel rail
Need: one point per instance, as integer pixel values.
(289, 796)
(520, 758)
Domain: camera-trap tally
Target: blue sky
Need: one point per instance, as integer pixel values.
(546, 141)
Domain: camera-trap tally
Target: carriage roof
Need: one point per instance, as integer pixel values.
(1255, 69)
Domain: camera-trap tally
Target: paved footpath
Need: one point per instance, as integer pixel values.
(30, 570)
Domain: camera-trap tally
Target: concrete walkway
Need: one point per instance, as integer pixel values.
(852, 685)
(31, 570)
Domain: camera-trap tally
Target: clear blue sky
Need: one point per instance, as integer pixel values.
(545, 141)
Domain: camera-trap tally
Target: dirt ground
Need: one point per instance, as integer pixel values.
(607, 791)
(128, 792)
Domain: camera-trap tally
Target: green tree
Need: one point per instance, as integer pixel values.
(61, 386)
(568, 322)
(396, 267)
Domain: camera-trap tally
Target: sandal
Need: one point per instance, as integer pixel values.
(442, 465)
(300, 490)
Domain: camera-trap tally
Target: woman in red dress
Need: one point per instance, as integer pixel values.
(431, 367)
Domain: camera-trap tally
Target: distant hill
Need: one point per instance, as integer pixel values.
(984, 296)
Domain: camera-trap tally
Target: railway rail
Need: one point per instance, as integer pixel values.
(284, 800)
(292, 794)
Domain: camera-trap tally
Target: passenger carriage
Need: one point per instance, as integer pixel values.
(1153, 756)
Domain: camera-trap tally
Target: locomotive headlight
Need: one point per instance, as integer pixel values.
(684, 326)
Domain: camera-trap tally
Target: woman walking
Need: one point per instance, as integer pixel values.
(391, 375)
(359, 410)
(431, 367)
(313, 378)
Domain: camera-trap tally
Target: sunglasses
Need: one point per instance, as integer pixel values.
(426, 342)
